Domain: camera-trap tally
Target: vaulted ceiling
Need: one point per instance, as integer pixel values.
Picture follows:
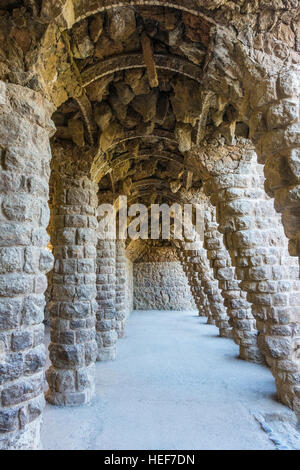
(143, 106)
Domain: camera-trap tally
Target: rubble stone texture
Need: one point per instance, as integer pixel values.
(106, 322)
(73, 347)
(129, 287)
(186, 101)
(24, 262)
(197, 258)
(120, 288)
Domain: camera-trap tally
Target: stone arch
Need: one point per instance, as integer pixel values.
(124, 158)
(136, 61)
(62, 17)
(69, 14)
(265, 91)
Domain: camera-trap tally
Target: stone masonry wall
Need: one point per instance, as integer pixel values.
(161, 286)
(254, 236)
(25, 156)
(129, 286)
(73, 348)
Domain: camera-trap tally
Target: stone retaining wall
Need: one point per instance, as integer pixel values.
(161, 286)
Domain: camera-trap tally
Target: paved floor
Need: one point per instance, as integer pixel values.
(175, 385)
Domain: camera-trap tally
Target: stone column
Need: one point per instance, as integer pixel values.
(48, 297)
(239, 309)
(73, 348)
(121, 311)
(25, 128)
(274, 121)
(198, 259)
(197, 289)
(264, 86)
(259, 250)
(106, 299)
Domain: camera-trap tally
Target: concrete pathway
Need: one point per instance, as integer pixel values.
(175, 385)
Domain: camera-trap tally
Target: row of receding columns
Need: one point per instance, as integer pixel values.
(266, 273)
(87, 307)
(239, 314)
(88, 304)
(195, 284)
(73, 348)
(88, 298)
(246, 248)
(208, 264)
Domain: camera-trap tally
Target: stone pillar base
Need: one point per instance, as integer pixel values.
(27, 439)
(70, 387)
(226, 333)
(121, 329)
(107, 354)
(70, 399)
(252, 355)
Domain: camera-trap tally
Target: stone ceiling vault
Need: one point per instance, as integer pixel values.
(142, 102)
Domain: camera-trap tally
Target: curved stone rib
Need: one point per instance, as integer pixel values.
(154, 151)
(174, 64)
(131, 135)
(172, 157)
(153, 148)
(107, 166)
(87, 114)
(85, 8)
(149, 182)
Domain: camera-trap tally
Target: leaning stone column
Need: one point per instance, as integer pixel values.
(121, 287)
(194, 282)
(198, 259)
(239, 309)
(258, 247)
(106, 300)
(25, 127)
(73, 348)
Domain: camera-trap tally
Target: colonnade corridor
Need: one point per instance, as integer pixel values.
(175, 385)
